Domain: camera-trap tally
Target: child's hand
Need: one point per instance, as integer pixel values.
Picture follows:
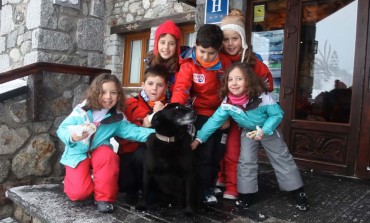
(194, 144)
(256, 134)
(146, 122)
(225, 125)
(158, 105)
(259, 135)
(76, 138)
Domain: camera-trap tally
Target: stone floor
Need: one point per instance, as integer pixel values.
(332, 199)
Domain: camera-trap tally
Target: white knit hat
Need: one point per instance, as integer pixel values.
(235, 23)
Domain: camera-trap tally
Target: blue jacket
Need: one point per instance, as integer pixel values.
(263, 111)
(113, 124)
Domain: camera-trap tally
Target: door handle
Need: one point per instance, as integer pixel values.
(290, 30)
(287, 91)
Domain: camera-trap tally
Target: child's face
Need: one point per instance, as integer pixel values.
(109, 96)
(154, 87)
(167, 46)
(236, 82)
(232, 43)
(206, 54)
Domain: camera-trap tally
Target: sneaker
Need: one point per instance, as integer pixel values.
(244, 200)
(209, 199)
(104, 207)
(230, 195)
(217, 191)
(301, 201)
(220, 184)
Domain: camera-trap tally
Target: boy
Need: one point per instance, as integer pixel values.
(199, 79)
(151, 99)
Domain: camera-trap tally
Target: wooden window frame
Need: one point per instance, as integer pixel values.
(144, 37)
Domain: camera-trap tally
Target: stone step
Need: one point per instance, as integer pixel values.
(48, 204)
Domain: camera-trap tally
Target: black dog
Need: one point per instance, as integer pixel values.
(168, 163)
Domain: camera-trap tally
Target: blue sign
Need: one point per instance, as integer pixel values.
(216, 10)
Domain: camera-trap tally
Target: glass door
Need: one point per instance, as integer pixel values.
(318, 84)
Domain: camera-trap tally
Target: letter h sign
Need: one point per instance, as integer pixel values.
(215, 10)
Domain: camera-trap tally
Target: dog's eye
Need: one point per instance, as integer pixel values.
(177, 107)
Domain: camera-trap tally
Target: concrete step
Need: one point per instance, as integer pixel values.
(48, 204)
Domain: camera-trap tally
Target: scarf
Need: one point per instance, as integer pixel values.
(235, 58)
(148, 101)
(237, 100)
(207, 64)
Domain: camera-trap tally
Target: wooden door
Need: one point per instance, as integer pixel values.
(363, 164)
(322, 83)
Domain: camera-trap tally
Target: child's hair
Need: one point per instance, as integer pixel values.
(156, 71)
(95, 89)
(255, 86)
(210, 35)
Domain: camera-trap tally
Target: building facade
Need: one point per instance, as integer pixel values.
(318, 52)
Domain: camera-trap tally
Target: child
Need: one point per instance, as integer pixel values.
(86, 150)
(236, 48)
(166, 50)
(249, 104)
(150, 100)
(199, 79)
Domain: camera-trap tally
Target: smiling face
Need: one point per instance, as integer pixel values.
(236, 82)
(232, 43)
(154, 87)
(108, 96)
(167, 46)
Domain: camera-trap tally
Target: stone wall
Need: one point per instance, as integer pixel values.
(37, 30)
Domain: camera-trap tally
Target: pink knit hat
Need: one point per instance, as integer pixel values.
(168, 27)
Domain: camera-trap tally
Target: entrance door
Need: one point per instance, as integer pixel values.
(320, 87)
(363, 165)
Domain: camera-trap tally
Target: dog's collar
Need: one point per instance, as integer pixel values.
(165, 138)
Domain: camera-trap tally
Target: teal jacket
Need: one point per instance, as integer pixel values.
(113, 124)
(262, 111)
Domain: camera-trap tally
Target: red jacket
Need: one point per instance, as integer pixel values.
(200, 84)
(136, 110)
(259, 68)
(263, 71)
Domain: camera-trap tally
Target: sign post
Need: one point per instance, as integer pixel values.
(215, 10)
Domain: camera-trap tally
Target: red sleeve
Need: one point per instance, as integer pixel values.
(263, 71)
(183, 83)
(135, 111)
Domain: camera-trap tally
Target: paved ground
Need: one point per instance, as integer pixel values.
(332, 199)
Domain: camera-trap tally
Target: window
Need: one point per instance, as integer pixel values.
(136, 49)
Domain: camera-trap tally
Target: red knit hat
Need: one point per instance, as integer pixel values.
(168, 27)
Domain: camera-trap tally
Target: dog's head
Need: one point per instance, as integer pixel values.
(173, 119)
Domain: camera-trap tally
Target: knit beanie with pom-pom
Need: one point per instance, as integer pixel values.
(167, 27)
(235, 22)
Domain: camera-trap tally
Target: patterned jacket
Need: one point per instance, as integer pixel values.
(262, 111)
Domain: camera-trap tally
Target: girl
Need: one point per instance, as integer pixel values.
(139, 110)
(236, 48)
(166, 50)
(249, 104)
(86, 150)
